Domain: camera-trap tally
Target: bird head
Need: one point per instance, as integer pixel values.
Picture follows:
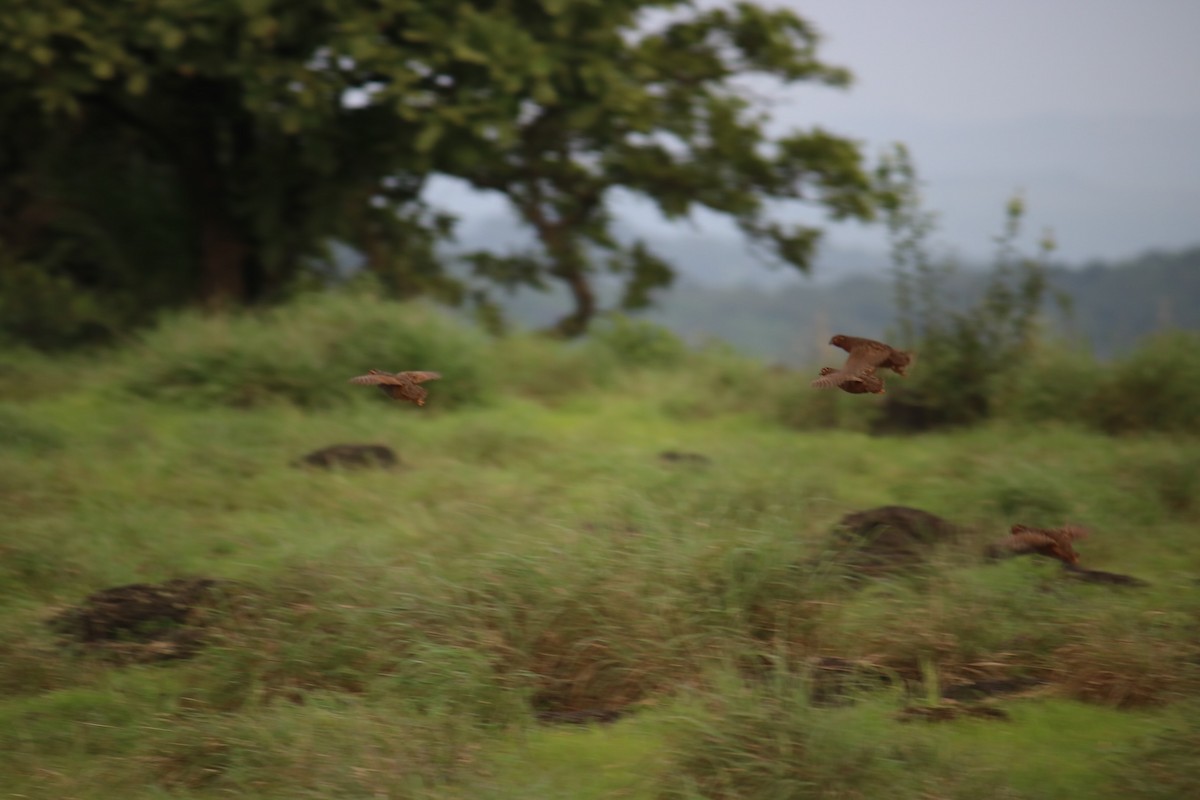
(838, 341)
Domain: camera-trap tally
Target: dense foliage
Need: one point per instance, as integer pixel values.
(159, 153)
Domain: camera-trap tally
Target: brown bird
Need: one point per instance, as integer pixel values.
(399, 385)
(1049, 542)
(864, 354)
(866, 383)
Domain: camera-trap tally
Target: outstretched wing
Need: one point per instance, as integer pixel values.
(866, 355)
(1028, 541)
(832, 378)
(375, 377)
(1072, 532)
(421, 377)
(1067, 532)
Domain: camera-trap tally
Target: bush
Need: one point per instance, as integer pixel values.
(551, 371)
(1174, 479)
(43, 309)
(964, 350)
(1054, 384)
(716, 381)
(639, 344)
(1152, 389)
(304, 353)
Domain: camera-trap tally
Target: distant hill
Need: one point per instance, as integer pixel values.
(1113, 305)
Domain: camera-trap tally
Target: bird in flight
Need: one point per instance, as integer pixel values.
(866, 383)
(1050, 542)
(865, 356)
(399, 385)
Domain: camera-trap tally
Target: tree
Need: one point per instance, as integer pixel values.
(259, 131)
(663, 114)
(242, 110)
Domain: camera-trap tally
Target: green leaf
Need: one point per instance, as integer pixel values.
(172, 38)
(263, 27)
(137, 83)
(428, 137)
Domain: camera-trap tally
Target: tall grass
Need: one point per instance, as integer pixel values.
(297, 353)
(397, 631)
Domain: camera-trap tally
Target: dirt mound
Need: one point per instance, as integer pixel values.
(890, 538)
(144, 621)
(350, 456)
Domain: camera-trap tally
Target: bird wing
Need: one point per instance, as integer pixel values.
(421, 377)
(832, 379)
(375, 377)
(1066, 532)
(1028, 541)
(1072, 532)
(866, 355)
(848, 343)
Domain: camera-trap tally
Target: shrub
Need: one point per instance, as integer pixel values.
(717, 381)
(1174, 478)
(963, 350)
(1054, 383)
(1152, 389)
(550, 371)
(303, 354)
(639, 344)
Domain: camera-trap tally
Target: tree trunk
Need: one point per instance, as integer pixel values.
(576, 323)
(223, 264)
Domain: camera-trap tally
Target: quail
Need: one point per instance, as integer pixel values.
(865, 356)
(399, 385)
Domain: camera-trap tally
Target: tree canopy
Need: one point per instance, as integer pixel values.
(170, 151)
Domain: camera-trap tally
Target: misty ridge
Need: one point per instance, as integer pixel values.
(724, 292)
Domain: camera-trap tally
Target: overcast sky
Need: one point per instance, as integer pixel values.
(1091, 108)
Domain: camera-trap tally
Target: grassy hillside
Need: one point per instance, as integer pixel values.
(395, 632)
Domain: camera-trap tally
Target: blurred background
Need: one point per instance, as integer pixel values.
(712, 167)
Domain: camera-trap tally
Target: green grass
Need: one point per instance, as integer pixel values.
(398, 627)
